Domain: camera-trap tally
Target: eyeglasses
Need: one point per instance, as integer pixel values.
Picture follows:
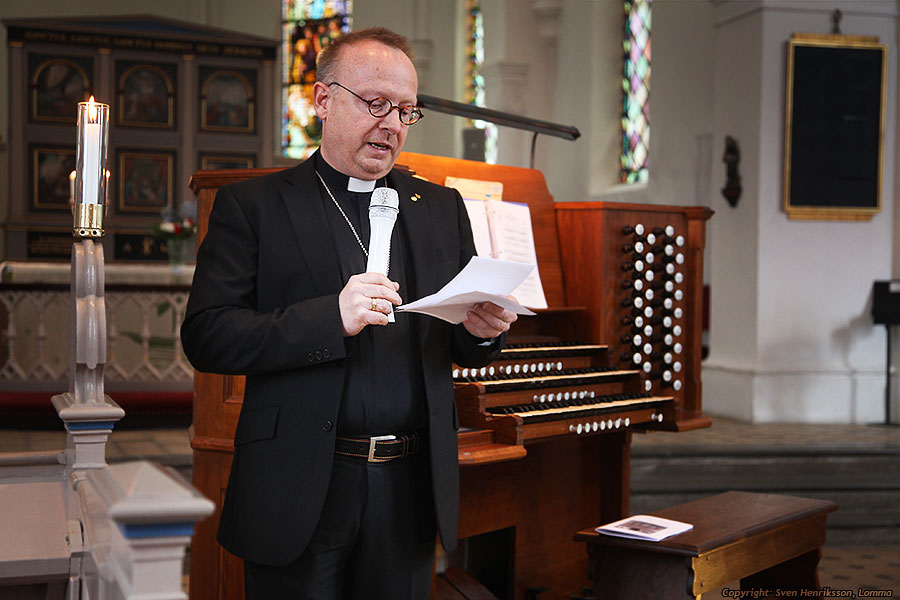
(382, 107)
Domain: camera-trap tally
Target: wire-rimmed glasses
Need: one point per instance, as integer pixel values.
(382, 107)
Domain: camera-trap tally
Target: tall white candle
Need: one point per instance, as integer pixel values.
(90, 150)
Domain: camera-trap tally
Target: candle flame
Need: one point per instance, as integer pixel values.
(92, 111)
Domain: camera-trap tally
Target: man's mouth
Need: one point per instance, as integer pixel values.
(380, 146)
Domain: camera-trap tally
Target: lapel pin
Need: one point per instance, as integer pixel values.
(415, 197)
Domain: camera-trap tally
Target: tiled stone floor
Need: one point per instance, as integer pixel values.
(876, 568)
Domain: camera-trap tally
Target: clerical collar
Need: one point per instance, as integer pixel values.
(338, 181)
(360, 185)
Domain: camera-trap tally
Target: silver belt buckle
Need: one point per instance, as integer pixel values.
(378, 438)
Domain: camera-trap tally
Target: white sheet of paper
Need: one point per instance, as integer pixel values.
(482, 280)
(481, 231)
(502, 230)
(514, 240)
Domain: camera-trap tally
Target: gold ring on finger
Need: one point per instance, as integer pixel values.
(374, 304)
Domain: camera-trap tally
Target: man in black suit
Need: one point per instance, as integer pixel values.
(320, 503)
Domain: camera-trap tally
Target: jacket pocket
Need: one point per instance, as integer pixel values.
(256, 425)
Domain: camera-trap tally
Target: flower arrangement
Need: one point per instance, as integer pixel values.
(176, 231)
(176, 224)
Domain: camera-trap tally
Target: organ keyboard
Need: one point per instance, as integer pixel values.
(540, 390)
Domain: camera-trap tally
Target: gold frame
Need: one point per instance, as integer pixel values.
(122, 155)
(830, 213)
(251, 102)
(120, 96)
(48, 62)
(36, 150)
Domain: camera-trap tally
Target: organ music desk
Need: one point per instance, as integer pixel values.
(544, 444)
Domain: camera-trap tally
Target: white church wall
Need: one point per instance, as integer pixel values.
(815, 356)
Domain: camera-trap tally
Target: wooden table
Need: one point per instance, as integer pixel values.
(765, 540)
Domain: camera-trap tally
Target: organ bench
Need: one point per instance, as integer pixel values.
(767, 541)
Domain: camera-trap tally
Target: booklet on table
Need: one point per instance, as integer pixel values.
(644, 527)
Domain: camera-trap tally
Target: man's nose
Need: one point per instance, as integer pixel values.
(391, 121)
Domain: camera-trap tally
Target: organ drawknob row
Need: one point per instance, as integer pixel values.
(653, 260)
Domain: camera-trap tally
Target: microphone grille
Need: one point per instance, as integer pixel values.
(385, 196)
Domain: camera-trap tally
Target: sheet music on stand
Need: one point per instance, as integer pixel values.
(502, 230)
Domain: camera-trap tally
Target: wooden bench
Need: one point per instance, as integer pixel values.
(766, 541)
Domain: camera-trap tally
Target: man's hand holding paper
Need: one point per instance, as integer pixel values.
(488, 320)
(483, 280)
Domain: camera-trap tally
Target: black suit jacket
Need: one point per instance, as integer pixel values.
(264, 304)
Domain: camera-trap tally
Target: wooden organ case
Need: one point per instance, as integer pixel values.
(544, 444)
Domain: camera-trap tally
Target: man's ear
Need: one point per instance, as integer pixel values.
(321, 98)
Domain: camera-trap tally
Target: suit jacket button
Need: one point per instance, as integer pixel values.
(326, 353)
(311, 357)
(327, 425)
(318, 355)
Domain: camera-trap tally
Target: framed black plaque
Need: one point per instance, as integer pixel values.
(45, 245)
(834, 127)
(137, 246)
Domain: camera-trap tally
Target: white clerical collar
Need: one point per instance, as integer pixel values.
(360, 185)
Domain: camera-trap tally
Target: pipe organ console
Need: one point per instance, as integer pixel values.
(545, 432)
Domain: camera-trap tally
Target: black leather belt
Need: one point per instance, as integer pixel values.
(379, 448)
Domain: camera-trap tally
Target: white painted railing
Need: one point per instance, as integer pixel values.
(144, 306)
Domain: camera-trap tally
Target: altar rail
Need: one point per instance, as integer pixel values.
(146, 367)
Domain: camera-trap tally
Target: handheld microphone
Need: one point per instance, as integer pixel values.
(383, 209)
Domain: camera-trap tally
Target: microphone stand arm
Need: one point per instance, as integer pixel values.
(470, 111)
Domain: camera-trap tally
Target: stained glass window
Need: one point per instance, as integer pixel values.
(307, 26)
(636, 92)
(475, 80)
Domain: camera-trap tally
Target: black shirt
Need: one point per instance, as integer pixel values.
(384, 392)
